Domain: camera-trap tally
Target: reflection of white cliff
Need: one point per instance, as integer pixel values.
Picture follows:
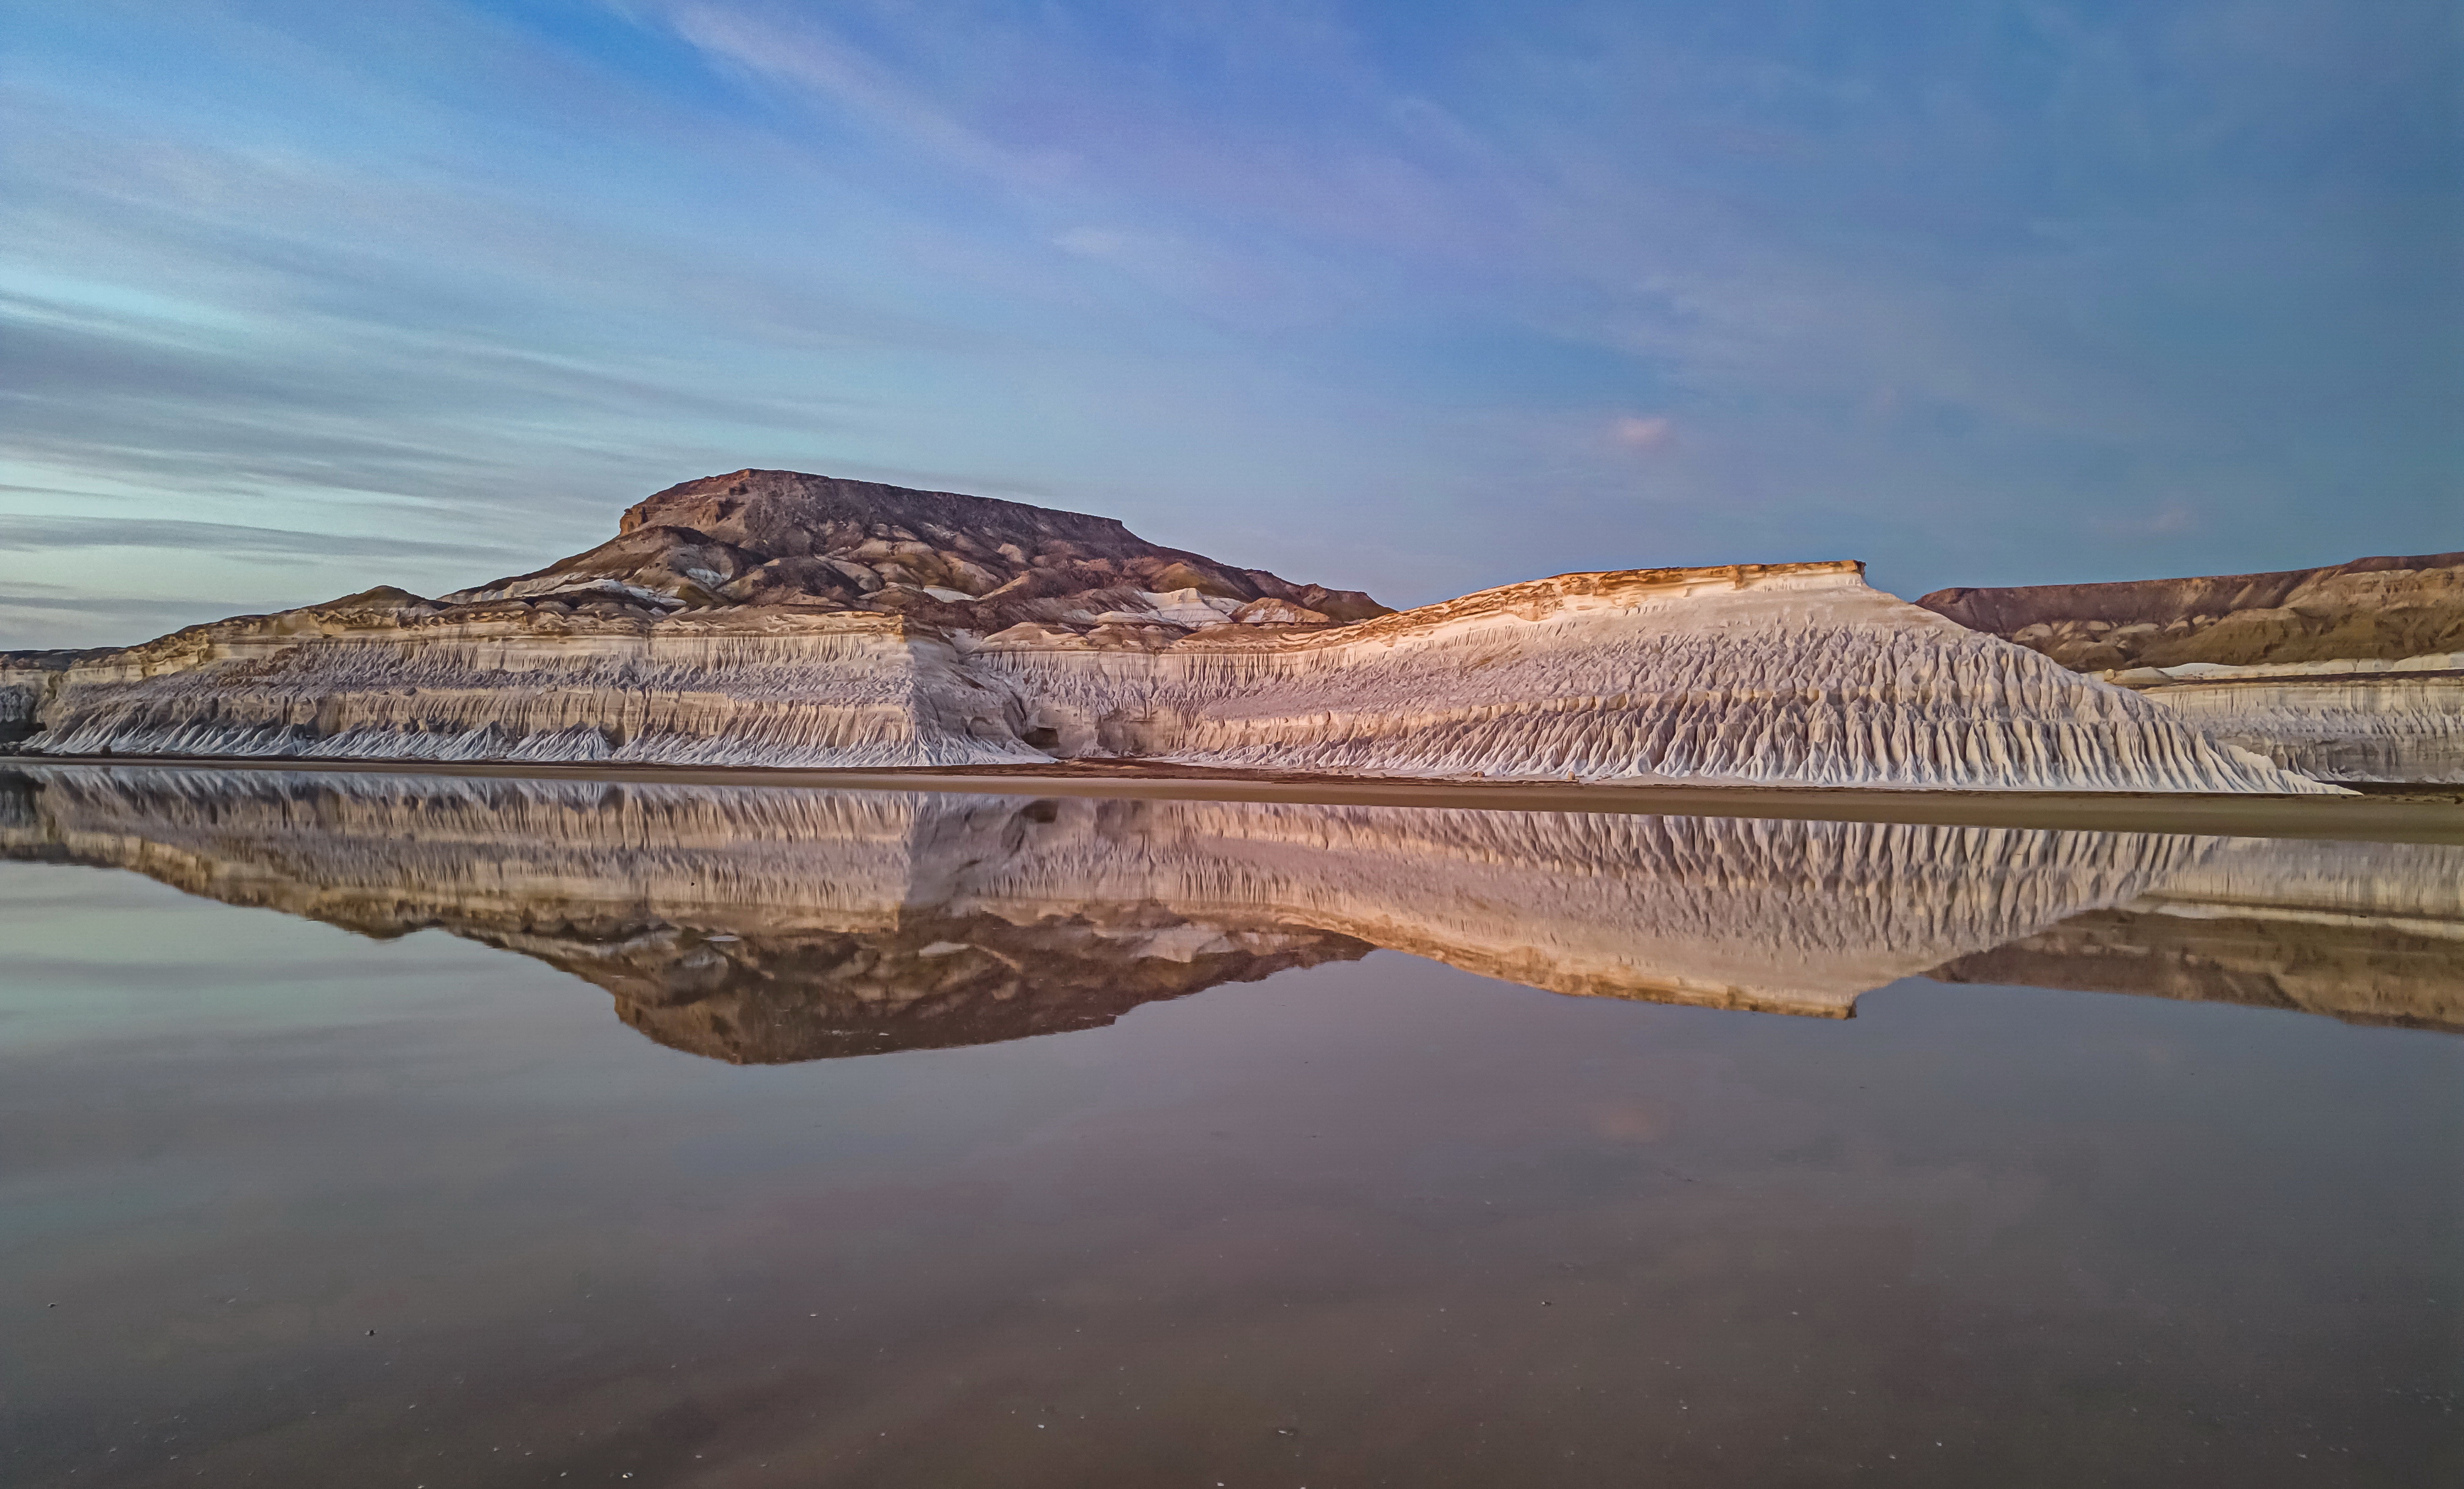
(2416, 887)
(649, 881)
(2367, 931)
(1782, 916)
(1792, 674)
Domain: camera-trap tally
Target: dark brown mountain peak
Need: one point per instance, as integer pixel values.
(785, 539)
(787, 514)
(2382, 608)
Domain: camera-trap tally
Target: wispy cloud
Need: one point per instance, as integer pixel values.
(1636, 432)
(1305, 282)
(21, 533)
(40, 617)
(23, 597)
(807, 55)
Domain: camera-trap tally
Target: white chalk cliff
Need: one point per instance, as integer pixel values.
(772, 619)
(2352, 672)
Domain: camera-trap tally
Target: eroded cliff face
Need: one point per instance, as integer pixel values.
(761, 925)
(751, 686)
(1796, 674)
(2353, 672)
(2357, 721)
(2366, 932)
(773, 619)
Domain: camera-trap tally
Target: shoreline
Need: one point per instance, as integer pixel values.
(2432, 817)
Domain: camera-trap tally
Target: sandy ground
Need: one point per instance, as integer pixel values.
(2414, 815)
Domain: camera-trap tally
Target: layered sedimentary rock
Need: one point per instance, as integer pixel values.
(763, 925)
(773, 619)
(784, 538)
(2353, 672)
(1796, 674)
(752, 687)
(2352, 721)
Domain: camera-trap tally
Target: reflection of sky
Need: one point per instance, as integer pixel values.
(1372, 1220)
(1417, 297)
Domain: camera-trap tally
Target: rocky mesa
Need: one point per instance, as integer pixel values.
(782, 539)
(770, 619)
(2352, 672)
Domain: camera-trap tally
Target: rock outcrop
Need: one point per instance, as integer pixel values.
(761, 925)
(773, 619)
(780, 538)
(2353, 672)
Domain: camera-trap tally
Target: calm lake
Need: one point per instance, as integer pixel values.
(417, 1130)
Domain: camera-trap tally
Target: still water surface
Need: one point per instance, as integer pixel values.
(400, 1130)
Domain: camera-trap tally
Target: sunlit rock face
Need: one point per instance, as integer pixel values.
(2353, 672)
(502, 682)
(1791, 673)
(781, 537)
(767, 618)
(805, 621)
(765, 925)
(2358, 721)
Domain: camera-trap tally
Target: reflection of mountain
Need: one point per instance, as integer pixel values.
(2369, 933)
(924, 982)
(750, 925)
(761, 924)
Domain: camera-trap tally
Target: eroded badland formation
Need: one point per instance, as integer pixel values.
(2352, 672)
(771, 618)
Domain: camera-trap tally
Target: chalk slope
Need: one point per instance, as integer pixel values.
(1059, 640)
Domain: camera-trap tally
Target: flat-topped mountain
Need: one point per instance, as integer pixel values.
(2353, 672)
(2381, 609)
(782, 538)
(771, 618)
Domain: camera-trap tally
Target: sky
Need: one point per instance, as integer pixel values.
(1419, 297)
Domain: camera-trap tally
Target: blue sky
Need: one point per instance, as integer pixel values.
(1422, 297)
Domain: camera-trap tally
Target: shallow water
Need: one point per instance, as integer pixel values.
(393, 1130)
